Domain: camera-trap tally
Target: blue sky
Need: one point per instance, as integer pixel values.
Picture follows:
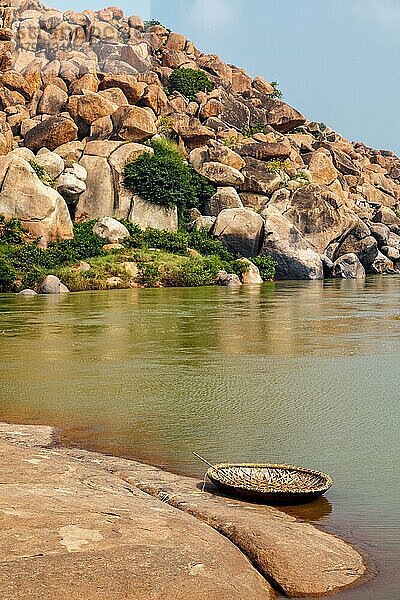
(335, 60)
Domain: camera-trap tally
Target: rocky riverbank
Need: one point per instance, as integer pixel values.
(82, 94)
(90, 526)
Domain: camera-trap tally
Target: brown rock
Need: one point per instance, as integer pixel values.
(226, 156)
(361, 243)
(92, 106)
(134, 124)
(86, 83)
(102, 128)
(155, 98)
(176, 42)
(321, 167)
(17, 83)
(240, 230)
(241, 82)
(294, 257)
(266, 150)
(98, 199)
(212, 108)
(281, 116)
(262, 86)
(258, 179)
(133, 89)
(225, 197)
(348, 266)
(222, 174)
(53, 100)
(84, 524)
(214, 65)
(320, 216)
(51, 133)
(252, 275)
(23, 196)
(388, 217)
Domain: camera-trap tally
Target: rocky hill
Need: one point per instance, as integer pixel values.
(81, 93)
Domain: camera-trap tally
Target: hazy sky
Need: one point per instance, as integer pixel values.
(337, 61)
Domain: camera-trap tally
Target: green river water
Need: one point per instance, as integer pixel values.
(297, 372)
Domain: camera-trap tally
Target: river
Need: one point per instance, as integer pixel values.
(297, 372)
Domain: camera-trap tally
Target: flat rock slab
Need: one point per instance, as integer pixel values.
(71, 529)
(29, 435)
(297, 557)
(96, 526)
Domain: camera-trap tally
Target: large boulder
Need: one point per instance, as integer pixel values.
(110, 229)
(382, 264)
(51, 133)
(361, 243)
(388, 217)
(280, 150)
(225, 197)
(380, 232)
(322, 168)
(98, 199)
(40, 208)
(51, 162)
(91, 107)
(240, 230)
(131, 87)
(52, 285)
(252, 274)
(148, 214)
(348, 266)
(222, 174)
(281, 116)
(257, 179)
(320, 215)
(134, 124)
(295, 258)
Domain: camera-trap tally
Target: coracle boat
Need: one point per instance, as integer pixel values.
(268, 483)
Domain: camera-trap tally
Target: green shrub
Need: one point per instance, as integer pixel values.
(191, 272)
(165, 178)
(277, 92)
(11, 231)
(148, 274)
(7, 276)
(200, 240)
(257, 128)
(266, 266)
(84, 245)
(165, 127)
(33, 277)
(239, 267)
(151, 23)
(276, 165)
(189, 82)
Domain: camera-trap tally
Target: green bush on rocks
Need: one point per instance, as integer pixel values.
(165, 178)
(266, 265)
(7, 276)
(189, 82)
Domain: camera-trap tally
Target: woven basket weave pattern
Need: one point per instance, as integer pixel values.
(272, 481)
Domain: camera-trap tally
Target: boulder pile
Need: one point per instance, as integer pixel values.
(80, 93)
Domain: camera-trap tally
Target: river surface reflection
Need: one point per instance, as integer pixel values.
(296, 372)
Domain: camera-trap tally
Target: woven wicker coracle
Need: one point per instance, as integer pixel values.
(268, 483)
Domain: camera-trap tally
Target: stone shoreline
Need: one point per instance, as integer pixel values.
(96, 527)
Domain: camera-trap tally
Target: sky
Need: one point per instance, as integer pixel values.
(337, 61)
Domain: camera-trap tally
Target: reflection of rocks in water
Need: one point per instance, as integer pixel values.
(318, 510)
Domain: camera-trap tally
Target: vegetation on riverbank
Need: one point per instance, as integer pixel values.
(147, 258)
